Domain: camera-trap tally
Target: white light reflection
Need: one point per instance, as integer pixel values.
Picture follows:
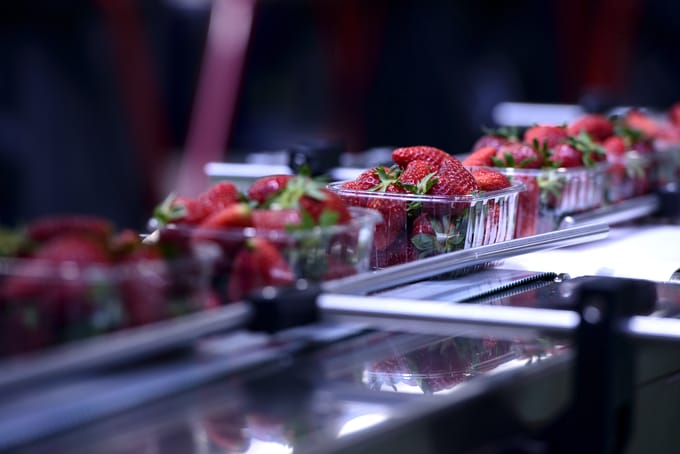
(267, 447)
(361, 422)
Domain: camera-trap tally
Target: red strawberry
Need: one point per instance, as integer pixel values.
(518, 155)
(125, 243)
(615, 146)
(219, 196)
(322, 206)
(453, 179)
(398, 252)
(236, 215)
(269, 219)
(436, 235)
(496, 138)
(418, 177)
(545, 135)
(674, 114)
(565, 155)
(591, 152)
(32, 276)
(490, 180)
(371, 179)
(336, 269)
(258, 264)
(643, 123)
(402, 156)
(264, 188)
(393, 212)
(45, 229)
(596, 126)
(180, 210)
(329, 209)
(74, 248)
(480, 157)
(527, 207)
(145, 296)
(354, 200)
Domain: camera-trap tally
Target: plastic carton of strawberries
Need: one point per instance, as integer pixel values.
(564, 169)
(69, 277)
(282, 229)
(660, 134)
(430, 204)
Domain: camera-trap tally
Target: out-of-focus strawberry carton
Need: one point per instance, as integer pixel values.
(552, 194)
(418, 226)
(252, 258)
(282, 229)
(70, 278)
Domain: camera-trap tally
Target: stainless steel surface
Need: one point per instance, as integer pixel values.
(366, 283)
(624, 211)
(122, 346)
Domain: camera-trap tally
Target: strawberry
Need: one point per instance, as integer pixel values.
(47, 228)
(236, 215)
(418, 177)
(518, 155)
(595, 125)
(398, 252)
(674, 114)
(264, 188)
(490, 180)
(527, 207)
(145, 296)
(328, 210)
(336, 269)
(75, 248)
(393, 212)
(357, 201)
(372, 179)
(124, 243)
(453, 179)
(495, 138)
(480, 157)
(268, 219)
(591, 152)
(565, 155)
(615, 146)
(545, 135)
(642, 122)
(218, 196)
(31, 278)
(402, 156)
(322, 206)
(258, 264)
(180, 210)
(436, 235)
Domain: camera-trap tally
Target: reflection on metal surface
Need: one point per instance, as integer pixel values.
(361, 423)
(623, 211)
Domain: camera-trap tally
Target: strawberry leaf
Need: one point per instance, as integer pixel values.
(167, 212)
(328, 218)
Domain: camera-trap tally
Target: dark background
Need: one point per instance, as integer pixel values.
(95, 99)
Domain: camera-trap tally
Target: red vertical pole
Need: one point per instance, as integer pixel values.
(217, 91)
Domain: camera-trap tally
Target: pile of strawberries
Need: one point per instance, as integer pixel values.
(67, 277)
(414, 225)
(544, 146)
(283, 228)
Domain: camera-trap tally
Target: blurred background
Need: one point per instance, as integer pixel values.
(108, 105)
